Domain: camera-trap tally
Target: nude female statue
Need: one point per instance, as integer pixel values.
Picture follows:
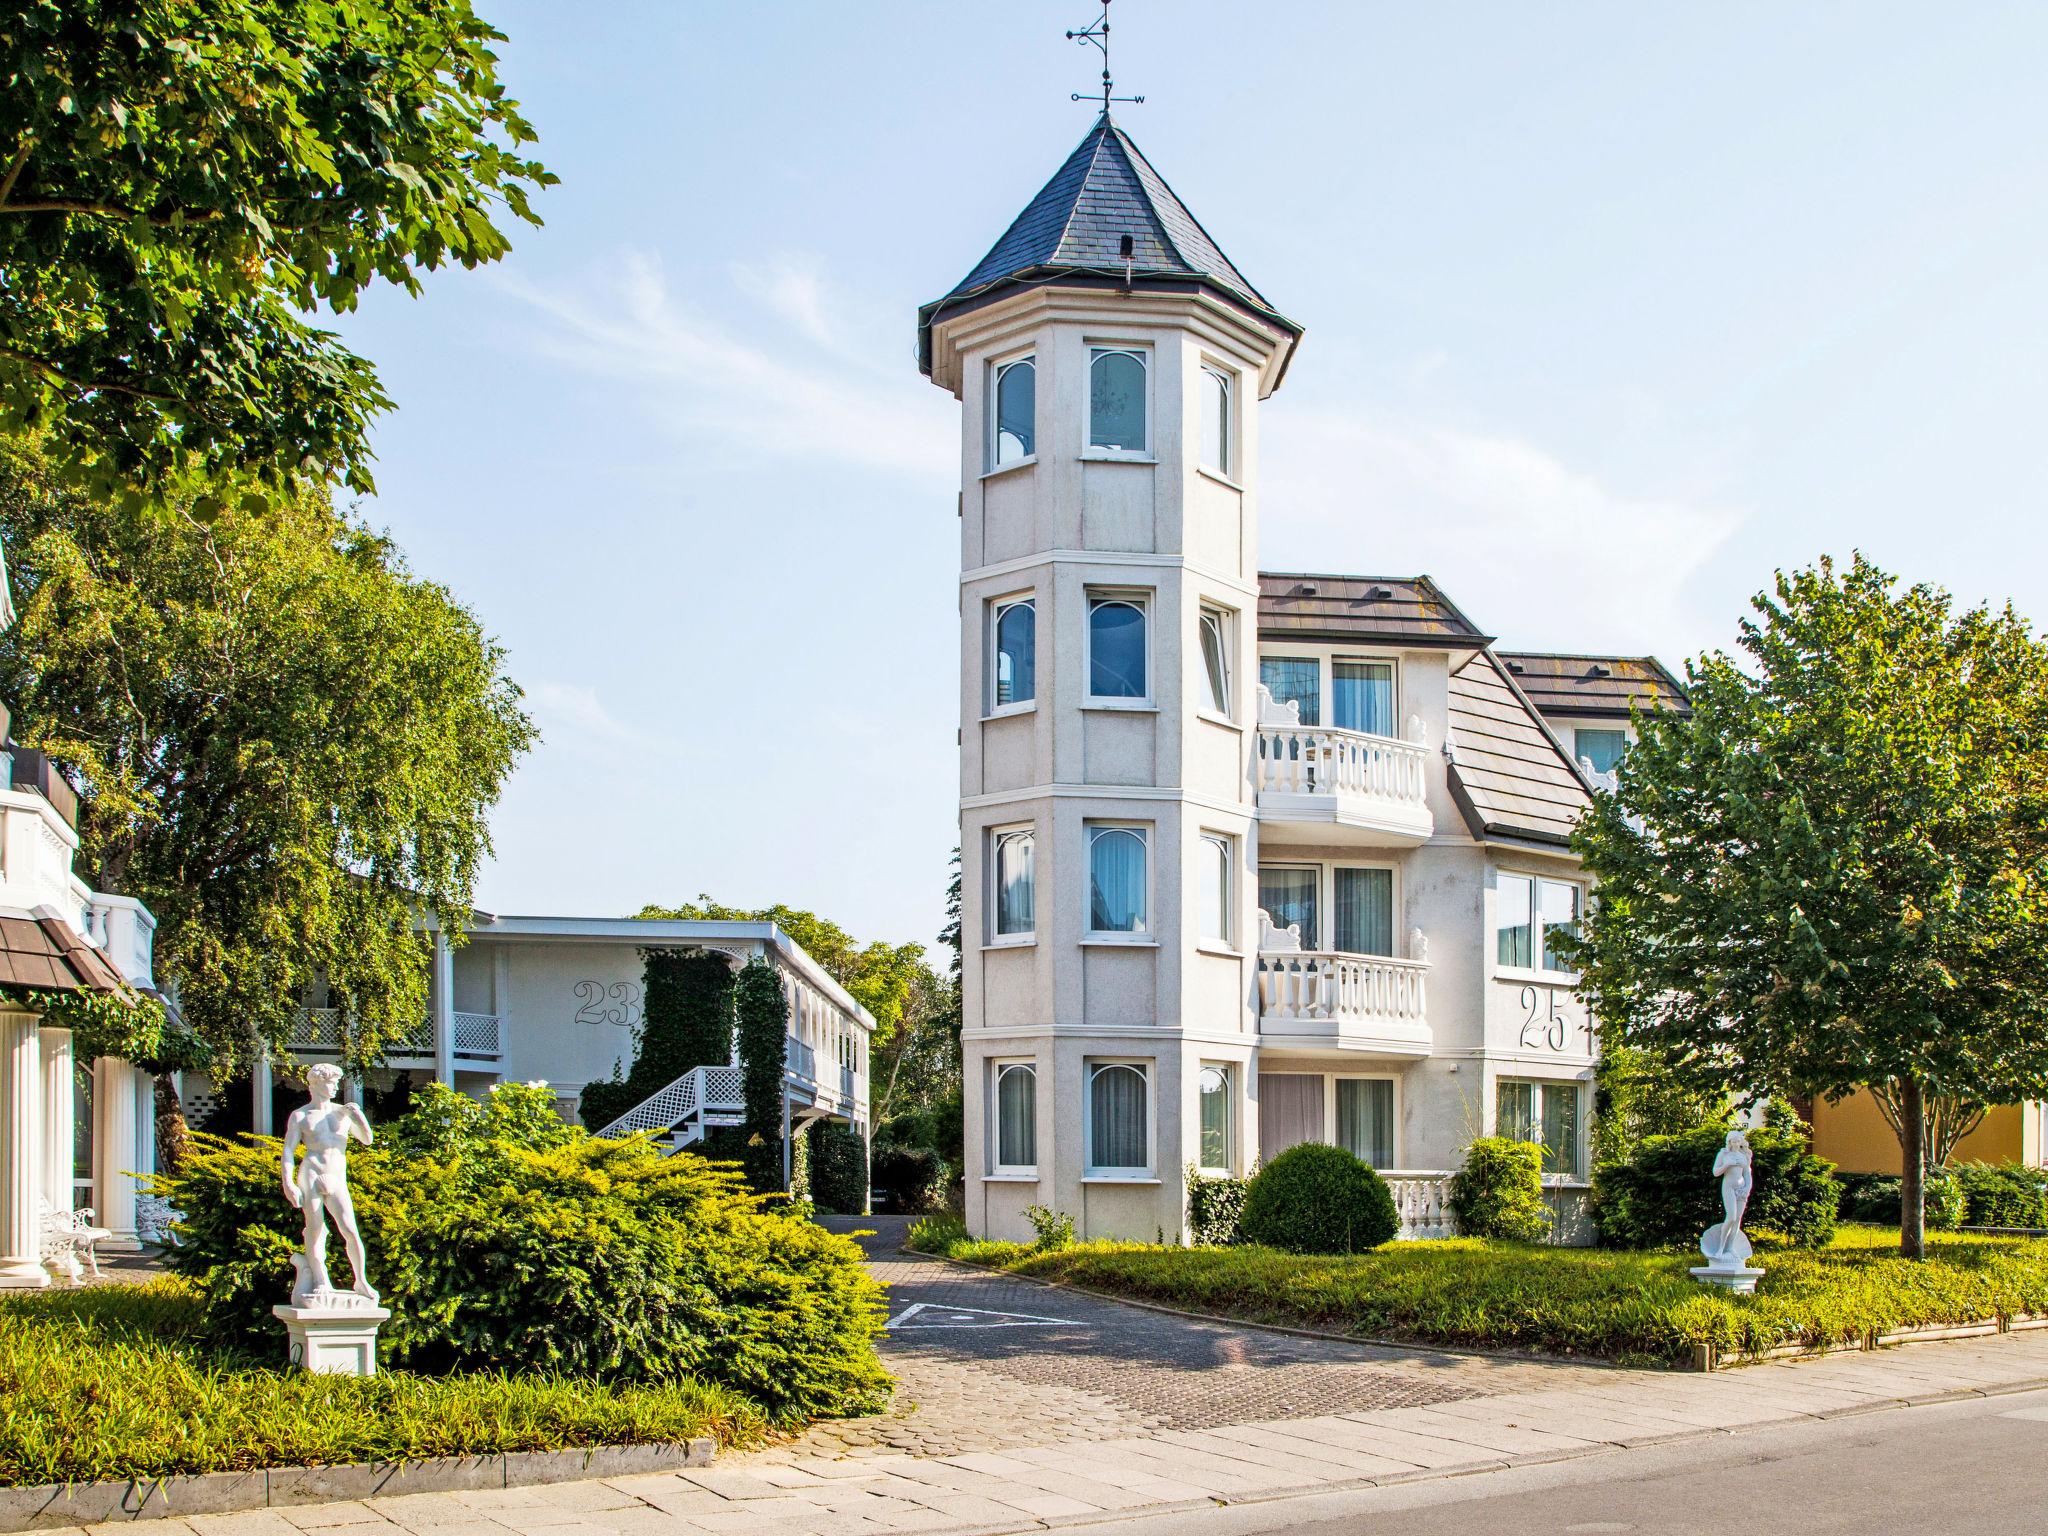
(318, 1186)
(1724, 1245)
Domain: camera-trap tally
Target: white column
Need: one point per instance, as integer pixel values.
(143, 1085)
(444, 1009)
(59, 1116)
(259, 1094)
(113, 1151)
(21, 1092)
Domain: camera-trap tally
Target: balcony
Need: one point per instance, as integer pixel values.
(478, 1037)
(1326, 1000)
(1316, 781)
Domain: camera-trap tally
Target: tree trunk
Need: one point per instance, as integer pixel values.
(1913, 1183)
(173, 1136)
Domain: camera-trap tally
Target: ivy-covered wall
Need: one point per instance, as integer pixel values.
(686, 1021)
(763, 1016)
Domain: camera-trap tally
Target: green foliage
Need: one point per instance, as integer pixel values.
(2003, 1194)
(839, 1169)
(1631, 1307)
(685, 1022)
(1634, 1097)
(1215, 1208)
(125, 1024)
(502, 1239)
(942, 1233)
(1055, 1229)
(763, 1016)
(289, 744)
(909, 1179)
(1316, 1198)
(1498, 1191)
(186, 183)
(1667, 1195)
(1877, 1197)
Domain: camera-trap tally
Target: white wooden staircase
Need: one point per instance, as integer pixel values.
(688, 1107)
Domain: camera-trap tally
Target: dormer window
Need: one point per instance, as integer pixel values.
(1216, 419)
(1014, 429)
(1117, 400)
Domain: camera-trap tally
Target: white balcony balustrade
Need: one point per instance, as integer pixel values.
(1332, 999)
(1319, 777)
(1422, 1201)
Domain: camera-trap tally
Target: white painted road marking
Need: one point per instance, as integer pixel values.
(932, 1315)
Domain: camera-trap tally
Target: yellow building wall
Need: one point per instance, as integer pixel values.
(1853, 1135)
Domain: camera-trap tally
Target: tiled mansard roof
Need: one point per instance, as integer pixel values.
(1595, 686)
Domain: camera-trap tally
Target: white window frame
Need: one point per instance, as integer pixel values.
(1142, 351)
(1227, 469)
(1231, 1118)
(1622, 731)
(992, 460)
(1143, 933)
(1330, 1080)
(1325, 659)
(1322, 902)
(1224, 621)
(995, 938)
(1093, 1171)
(1581, 1151)
(1536, 967)
(1139, 598)
(1397, 937)
(997, 1067)
(1211, 843)
(997, 607)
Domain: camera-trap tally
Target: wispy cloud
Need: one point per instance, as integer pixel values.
(573, 717)
(775, 361)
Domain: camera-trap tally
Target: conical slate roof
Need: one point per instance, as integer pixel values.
(1106, 190)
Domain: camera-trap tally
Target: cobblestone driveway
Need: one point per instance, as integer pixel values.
(984, 1361)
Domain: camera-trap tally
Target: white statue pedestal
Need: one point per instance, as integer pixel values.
(1742, 1280)
(334, 1333)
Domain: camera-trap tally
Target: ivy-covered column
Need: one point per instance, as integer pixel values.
(763, 1015)
(21, 1089)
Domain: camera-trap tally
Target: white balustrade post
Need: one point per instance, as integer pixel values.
(60, 1116)
(113, 1150)
(444, 1009)
(261, 1099)
(21, 1091)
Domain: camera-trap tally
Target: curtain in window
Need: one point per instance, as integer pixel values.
(1561, 1128)
(1017, 1117)
(1289, 897)
(1214, 875)
(1016, 883)
(1016, 653)
(1515, 1111)
(1514, 937)
(1116, 1117)
(1290, 1111)
(1601, 748)
(1214, 1088)
(1365, 1119)
(1365, 911)
(1016, 411)
(1294, 680)
(1559, 914)
(1116, 400)
(1362, 697)
(1215, 670)
(1116, 880)
(1116, 650)
(1216, 420)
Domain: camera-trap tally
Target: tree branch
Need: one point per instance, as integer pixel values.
(49, 370)
(14, 168)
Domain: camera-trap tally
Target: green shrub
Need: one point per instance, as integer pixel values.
(1666, 1194)
(1315, 1198)
(2003, 1194)
(1498, 1191)
(839, 1169)
(501, 1239)
(912, 1179)
(762, 1013)
(1874, 1197)
(1055, 1229)
(938, 1233)
(1215, 1207)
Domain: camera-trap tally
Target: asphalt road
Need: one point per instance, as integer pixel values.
(1978, 1467)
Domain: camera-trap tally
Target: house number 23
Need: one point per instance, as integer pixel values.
(1544, 1027)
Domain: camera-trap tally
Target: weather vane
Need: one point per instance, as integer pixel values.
(1098, 34)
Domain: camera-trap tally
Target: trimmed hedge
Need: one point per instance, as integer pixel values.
(2003, 1194)
(1316, 1198)
(501, 1239)
(1498, 1191)
(1876, 1198)
(1215, 1209)
(839, 1169)
(1666, 1194)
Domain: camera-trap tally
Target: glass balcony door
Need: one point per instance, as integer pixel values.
(1362, 697)
(1288, 896)
(1365, 911)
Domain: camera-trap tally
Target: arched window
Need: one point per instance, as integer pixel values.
(1216, 402)
(1016, 412)
(1116, 880)
(1016, 1117)
(1016, 653)
(1116, 400)
(1116, 648)
(1212, 1089)
(1016, 881)
(1117, 1109)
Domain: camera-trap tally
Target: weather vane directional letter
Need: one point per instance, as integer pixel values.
(1098, 34)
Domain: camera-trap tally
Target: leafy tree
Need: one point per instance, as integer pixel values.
(186, 180)
(1834, 874)
(288, 742)
(763, 1016)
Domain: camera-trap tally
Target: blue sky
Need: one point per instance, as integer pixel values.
(1611, 309)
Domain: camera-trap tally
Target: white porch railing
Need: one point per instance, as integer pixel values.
(1421, 1198)
(319, 1030)
(1321, 760)
(478, 1034)
(1320, 985)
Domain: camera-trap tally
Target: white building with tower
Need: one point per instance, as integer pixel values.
(1248, 858)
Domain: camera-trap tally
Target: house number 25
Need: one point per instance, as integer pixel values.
(1544, 1027)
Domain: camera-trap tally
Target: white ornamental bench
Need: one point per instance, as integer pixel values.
(68, 1237)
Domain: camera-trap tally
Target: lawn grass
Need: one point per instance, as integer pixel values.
(1630, 1307)
(120, 1382)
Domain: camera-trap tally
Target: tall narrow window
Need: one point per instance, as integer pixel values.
(1362, 697)
(1016, 1096)
(1601, 746)
(1016, 653)
(1215, 662)
(1365, 911)
(1116, 880)
(1365, 1119)
(1558, 916)
(1116, 648)
(1116, 399)
(1016, 411)
(1016, 885)
(1514, 921)
(1288, 897)
(1117, 1140)
(1547, 1114)
(1294, 680)
(1214, 874)
(1216, 402)
(1213, 1090)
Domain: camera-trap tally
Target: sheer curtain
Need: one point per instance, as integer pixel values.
(1017, 1117)
(1116, 880)
(1365, 1119)
(1015, 883)
(1362, 697)
(1116, 1116)
(1365, 911)
(1289, 897)
(1290, 1111)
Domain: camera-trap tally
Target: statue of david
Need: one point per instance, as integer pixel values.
(321, 1129)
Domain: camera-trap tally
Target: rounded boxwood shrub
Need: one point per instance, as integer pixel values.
(502, 1239)
(1665, 1194)
(1498, 1192)
(1316, 1198)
